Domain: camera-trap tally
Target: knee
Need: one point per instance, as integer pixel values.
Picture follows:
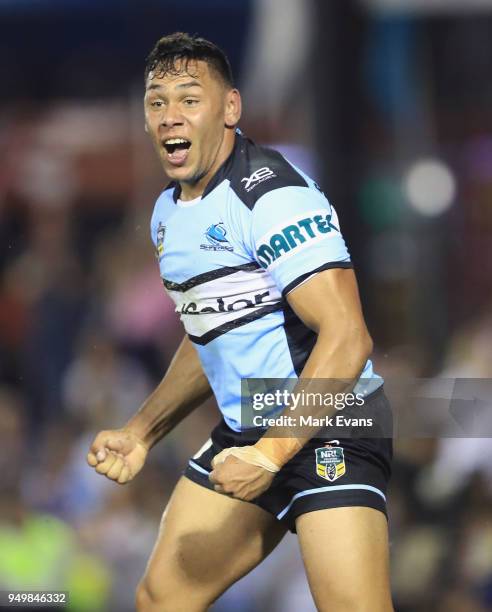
(167, 596)
(149, 598)
(145, 599)
(354, 602)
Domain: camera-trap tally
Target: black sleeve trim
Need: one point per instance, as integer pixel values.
(326, 266)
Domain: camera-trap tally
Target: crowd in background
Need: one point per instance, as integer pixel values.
(87, 331)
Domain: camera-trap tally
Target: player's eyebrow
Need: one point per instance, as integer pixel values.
(189, 84)
(180, 86)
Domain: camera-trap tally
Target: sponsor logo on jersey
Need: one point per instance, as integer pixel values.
(330, 462)
(217, 241)
(258, 176)
(161, 232)
(292, 236)
(223, 305)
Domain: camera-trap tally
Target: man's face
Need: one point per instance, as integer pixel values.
(186, 115)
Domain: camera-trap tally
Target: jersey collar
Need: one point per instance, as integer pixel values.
(221, 173)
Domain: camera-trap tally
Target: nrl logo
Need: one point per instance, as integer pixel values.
(161, 232)
(330, 462)
(260, 175)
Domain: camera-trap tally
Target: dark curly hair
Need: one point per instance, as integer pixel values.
(171, 51)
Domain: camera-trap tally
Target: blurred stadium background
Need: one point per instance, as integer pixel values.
(389, 104)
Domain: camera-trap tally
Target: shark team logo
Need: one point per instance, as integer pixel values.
(216, 236)
(330, 462)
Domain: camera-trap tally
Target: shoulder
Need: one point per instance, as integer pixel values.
(165, 203)
(163, 208)
(167, 195)
(257, 171)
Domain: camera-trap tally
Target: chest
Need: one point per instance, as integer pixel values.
(195, 241)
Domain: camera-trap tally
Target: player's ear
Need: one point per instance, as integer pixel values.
(232, 108)
(146, 127)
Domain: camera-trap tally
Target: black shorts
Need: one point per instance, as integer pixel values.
(323, 474)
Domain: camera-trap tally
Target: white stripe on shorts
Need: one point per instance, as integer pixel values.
(203, 448)
(329, 489)
(198, 467)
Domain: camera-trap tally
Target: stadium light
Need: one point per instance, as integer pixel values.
(430, 187)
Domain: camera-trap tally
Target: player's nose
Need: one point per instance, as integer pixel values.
(171, 116)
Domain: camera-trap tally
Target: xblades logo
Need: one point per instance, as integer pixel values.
(216, 236)
(260, 175)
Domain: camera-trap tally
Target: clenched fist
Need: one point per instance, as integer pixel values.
(238, 478)
(117, 454)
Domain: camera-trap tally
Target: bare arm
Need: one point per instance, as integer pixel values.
(329, 304)
(120, 454)
(183, 388)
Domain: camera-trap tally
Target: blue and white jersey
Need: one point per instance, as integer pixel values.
(229, 258)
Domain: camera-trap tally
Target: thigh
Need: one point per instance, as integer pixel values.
(345, 553)
(206, 542)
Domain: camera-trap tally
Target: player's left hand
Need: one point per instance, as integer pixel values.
(239, 479)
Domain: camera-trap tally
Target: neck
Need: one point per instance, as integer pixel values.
(190, 191)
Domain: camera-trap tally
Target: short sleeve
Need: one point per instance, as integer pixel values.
(157, 226)
(153, 228)
(295, 234)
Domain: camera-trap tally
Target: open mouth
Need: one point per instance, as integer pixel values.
(177, 150)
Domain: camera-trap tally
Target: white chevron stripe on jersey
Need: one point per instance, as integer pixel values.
(220, 301)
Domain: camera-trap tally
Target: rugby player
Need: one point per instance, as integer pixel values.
(251, 252)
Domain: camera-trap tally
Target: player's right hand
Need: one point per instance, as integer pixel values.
(117, 454)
